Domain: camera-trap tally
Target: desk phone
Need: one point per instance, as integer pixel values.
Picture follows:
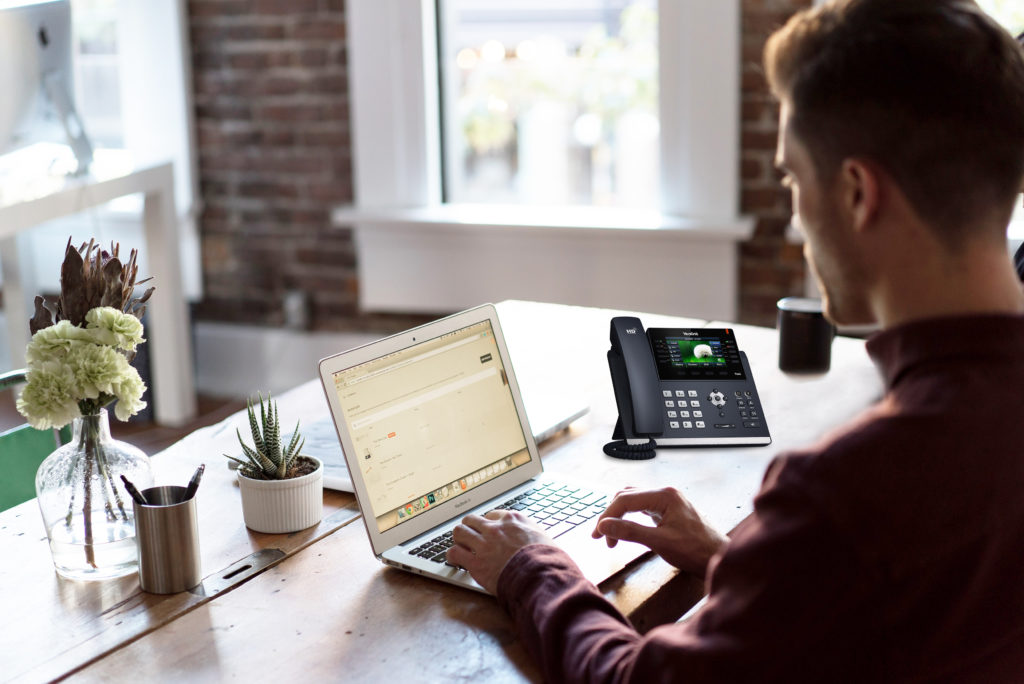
(681, 387)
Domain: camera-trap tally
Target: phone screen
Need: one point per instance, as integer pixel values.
(696, 354)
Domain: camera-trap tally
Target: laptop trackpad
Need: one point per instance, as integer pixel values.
(593, 556)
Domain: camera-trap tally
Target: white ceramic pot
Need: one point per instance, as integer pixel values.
(279, 506)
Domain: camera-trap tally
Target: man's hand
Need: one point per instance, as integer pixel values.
(679, 535)
(484, 545)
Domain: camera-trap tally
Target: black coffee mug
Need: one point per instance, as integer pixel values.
(805, 336)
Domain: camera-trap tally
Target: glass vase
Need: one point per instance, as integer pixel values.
(87, 511)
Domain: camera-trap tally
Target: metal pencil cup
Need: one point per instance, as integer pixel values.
(167, 538)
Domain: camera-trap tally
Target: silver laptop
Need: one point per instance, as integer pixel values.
(433, 427)
(549, 413)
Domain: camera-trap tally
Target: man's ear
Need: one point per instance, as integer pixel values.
(860, 190)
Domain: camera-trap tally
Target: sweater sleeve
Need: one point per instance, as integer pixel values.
(566, 624)
(777, 594)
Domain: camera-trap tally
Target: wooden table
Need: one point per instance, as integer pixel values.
(325, 607)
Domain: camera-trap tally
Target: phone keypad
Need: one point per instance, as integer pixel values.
(691, 406)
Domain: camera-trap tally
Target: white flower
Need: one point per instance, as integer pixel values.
(96, 368)
(71, 369)
(114, 327)
(50, 399)
(129, 390)
(54, 342)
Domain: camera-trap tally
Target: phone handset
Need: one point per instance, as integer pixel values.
(637, 390)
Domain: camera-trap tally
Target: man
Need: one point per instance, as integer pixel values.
(894, 548)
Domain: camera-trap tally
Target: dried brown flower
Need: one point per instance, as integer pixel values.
(91, 277)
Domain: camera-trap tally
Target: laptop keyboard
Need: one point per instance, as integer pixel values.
(556, 508)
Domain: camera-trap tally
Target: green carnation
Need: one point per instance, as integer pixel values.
(114, 327)
(129, 390)
(50, 397)
(54, 342)
(74, 369)
(96, 369)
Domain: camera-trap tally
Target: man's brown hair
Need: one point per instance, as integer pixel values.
(931, 90)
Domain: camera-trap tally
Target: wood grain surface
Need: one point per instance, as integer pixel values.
(329, 610)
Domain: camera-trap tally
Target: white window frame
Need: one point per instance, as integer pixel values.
(418, 254)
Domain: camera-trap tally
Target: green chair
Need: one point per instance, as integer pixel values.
(22, 449)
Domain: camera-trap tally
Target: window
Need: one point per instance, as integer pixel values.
(396, 102)
(550, 103)
(421, 248)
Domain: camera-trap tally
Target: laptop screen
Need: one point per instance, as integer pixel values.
(431, 422)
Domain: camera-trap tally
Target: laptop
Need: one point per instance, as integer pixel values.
(433, 427)
(549, 413)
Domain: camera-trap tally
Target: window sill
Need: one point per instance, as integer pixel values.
(451, 257)
(575, 221)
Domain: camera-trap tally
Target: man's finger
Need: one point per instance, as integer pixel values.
(466, 536)
(460, 556)
(475, 522)
(629, 502)
(625, 530)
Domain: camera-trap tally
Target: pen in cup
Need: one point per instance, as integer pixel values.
(135, 493)
(193, 484)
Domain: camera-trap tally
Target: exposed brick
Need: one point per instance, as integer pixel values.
(199, 9)
(752, 168)
(312, 57)
(324, 29)
(765, 201)
(285, 7)
(271, 89)
(770, 267)
(345, 258)
(752, 139)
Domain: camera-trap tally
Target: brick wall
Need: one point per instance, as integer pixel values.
(271, 102)
(770, 268)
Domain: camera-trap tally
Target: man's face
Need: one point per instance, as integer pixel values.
(831, 253)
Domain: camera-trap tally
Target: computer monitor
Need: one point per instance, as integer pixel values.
(36, 78)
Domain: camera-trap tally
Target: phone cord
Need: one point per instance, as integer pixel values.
(633, 452)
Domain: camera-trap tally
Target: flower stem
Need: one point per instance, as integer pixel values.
(101, 460)
(88, 436)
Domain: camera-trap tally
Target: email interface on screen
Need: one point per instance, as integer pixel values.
(431, 422)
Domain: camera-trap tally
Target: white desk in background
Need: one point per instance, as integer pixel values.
(28, 199)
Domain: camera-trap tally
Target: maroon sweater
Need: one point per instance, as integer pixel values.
(891, 551)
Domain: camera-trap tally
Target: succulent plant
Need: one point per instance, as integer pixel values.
(267, 460)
